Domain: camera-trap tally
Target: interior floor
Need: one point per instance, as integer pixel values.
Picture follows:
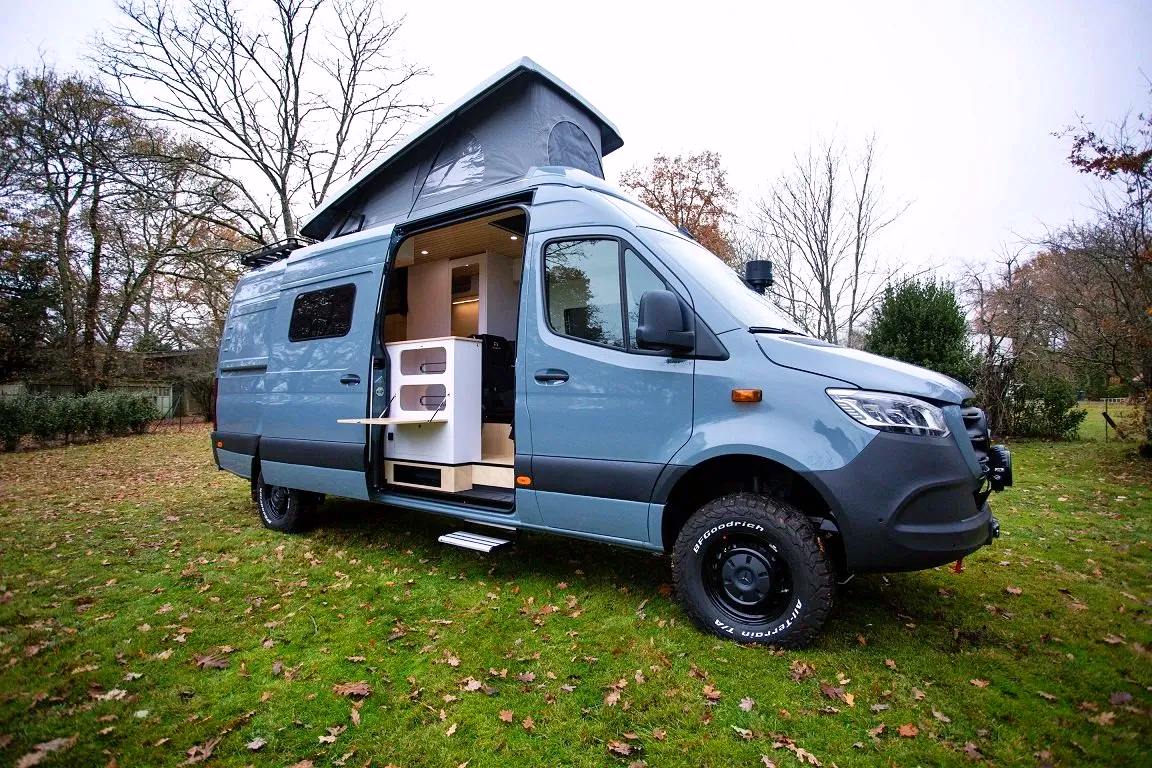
(446, 415)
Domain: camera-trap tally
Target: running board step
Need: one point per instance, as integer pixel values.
(474, 541)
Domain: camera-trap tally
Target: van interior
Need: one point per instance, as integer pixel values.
(446, 413)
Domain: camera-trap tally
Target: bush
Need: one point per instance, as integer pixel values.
(49, 418)
(922, 323)
(1045, 409)
(13, 421)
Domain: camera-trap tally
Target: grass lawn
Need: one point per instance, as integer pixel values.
(1092, 428)
(144, 613)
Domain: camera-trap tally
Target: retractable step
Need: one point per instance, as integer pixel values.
(474, 541)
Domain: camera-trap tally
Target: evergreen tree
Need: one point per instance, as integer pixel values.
(922, 323)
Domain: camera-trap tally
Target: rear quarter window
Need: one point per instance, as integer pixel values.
(322, 314)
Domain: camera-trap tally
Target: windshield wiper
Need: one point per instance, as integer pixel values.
(770, 329)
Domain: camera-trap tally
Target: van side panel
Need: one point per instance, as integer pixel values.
(313, 381)
(243, 363)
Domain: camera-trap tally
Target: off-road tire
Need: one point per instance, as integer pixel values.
(782, 542)
(285, 509)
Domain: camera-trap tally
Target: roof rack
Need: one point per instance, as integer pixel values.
(270, 254)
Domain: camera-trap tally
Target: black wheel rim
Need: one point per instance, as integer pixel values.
(747, 578)
(275, 502)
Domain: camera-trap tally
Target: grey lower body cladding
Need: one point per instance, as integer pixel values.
(906, 503)
(314, 453)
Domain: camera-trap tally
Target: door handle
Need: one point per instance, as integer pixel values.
(349, 378)
(551, 376)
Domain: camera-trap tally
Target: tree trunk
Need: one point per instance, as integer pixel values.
(88, 373)
(1146, 446)
(67, 290)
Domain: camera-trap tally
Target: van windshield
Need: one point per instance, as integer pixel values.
(748, 307)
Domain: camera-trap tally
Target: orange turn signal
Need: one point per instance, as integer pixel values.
(747, 395)
(523, 480)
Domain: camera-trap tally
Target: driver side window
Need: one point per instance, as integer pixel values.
(592, 290)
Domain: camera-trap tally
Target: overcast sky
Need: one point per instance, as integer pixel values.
(963, 100)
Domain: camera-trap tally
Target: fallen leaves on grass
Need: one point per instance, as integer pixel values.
(971, 751)
(506, 715)
(622, 748)
(211, 661)
(256, 744)
(837, 693)
(804, 756)
(743, 733)
(358, 689)
(1104, 718)
(908, 730)
(801, 670)
(43, 749)
(201, 752)
(747, 703)
(979, 683)
(333, 732)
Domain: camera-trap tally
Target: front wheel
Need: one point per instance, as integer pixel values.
(284, 509)
(749, 568)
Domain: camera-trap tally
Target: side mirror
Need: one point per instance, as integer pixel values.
(662, 325)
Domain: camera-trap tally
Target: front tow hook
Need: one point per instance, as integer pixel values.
(993, 530)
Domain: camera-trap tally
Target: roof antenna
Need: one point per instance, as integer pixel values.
(758, 275)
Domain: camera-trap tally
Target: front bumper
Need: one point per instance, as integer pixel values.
(907, 503)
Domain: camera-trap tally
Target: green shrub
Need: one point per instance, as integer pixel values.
(43, 417)
(13, 421)
(94, 414)
(141, 411)
(1044, 408)
(71, 416)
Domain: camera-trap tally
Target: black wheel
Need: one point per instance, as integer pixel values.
(749, 568)
(284, 509)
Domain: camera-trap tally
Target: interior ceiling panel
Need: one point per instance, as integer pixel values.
(467, 239)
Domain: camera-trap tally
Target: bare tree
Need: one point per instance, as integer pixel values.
(62, 135)
(997, 307)
(159, 222)
(293, 104)
(817, 224)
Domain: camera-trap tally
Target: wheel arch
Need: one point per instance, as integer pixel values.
(686, 489)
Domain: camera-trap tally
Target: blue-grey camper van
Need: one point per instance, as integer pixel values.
(484, 329)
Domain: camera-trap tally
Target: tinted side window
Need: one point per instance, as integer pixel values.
(582, 290)
(322, 314)
(639, 278)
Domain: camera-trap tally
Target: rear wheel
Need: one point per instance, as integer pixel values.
(284, 509)
(749, 568)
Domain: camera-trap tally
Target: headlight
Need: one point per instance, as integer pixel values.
(891, 413)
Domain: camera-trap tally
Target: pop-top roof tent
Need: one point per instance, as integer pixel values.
(521, 117)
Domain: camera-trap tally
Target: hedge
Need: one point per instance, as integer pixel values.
(1044, 408)
(49, 418)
